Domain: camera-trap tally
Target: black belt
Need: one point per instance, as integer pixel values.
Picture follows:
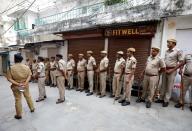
(150, 75)
(188, 75)
(41, 76)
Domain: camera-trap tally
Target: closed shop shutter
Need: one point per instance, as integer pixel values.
(52, 52)
(142, 46)
(77, 46)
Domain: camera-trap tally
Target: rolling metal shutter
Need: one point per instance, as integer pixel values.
(77, 46)
(142, 46)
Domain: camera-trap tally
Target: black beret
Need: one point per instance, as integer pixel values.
(59, 55)
(18, 56)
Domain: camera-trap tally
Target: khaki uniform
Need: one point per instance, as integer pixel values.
(129, 68)
(119, 65)
(151, 77)
(171, 60)
(47, 73)
(70, 71)
(34, 69)
(61, 65)
(81, 66)
(103, 75)
(41, 80)
(90, 72)
(52, 73)
(187, 76)
(20, 73)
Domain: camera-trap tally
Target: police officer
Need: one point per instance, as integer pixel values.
(102, 70)
(118, 73)
(70, 70)
(173, 56)
(41, 79)
(154, 66)
(81, 67)
(34, 69)
(61, 75)
(187, 79)
(20, 75)
(91, 65)
(47, 71)
(129, 76)
(52, 72)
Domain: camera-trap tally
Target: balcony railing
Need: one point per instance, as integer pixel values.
(90, 10)
(74, 17)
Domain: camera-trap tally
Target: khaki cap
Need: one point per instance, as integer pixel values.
(89, 52)
(172, 40)
(156, 48)
(120, 52)
(70, 55)
(104, 52)
(131, 49)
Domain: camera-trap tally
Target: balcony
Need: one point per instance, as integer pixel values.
(90, 10)
(95, 15)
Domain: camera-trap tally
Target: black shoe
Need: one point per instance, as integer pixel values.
(190, 108)
(33, 110)
(165, 104)
(86, 91)
(89, 94)
(81, 90)
(39, 100)
(117, 98)
(45, 97)
(148, 104)
(159, 101)
(59, 101)
(17, 117)
(125, 103)
(121, 101)
(78, 89)
(101, 96)
(112, 96)
(178, 105)
(139, 100)
(98, 94)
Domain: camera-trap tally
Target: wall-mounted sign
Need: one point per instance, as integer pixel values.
(131, 31)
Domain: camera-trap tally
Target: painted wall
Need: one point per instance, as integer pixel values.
(173, 27)
(1, 70)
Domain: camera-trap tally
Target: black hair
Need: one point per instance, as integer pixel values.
(18, 58)
(41, 58)
(59, 56)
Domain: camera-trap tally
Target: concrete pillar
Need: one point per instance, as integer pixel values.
(43, 52)
(106, 44)
(63, 49)
(1, 68)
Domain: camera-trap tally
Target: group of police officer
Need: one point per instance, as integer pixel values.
(155, 67)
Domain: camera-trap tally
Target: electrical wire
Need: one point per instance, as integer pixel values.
(12, 7)
(19, 17)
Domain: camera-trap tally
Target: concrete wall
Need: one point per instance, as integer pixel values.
(1, 68)
(171, 28)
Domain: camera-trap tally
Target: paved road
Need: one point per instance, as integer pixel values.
(82, 113)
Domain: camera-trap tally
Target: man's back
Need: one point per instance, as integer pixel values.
(19, 72)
